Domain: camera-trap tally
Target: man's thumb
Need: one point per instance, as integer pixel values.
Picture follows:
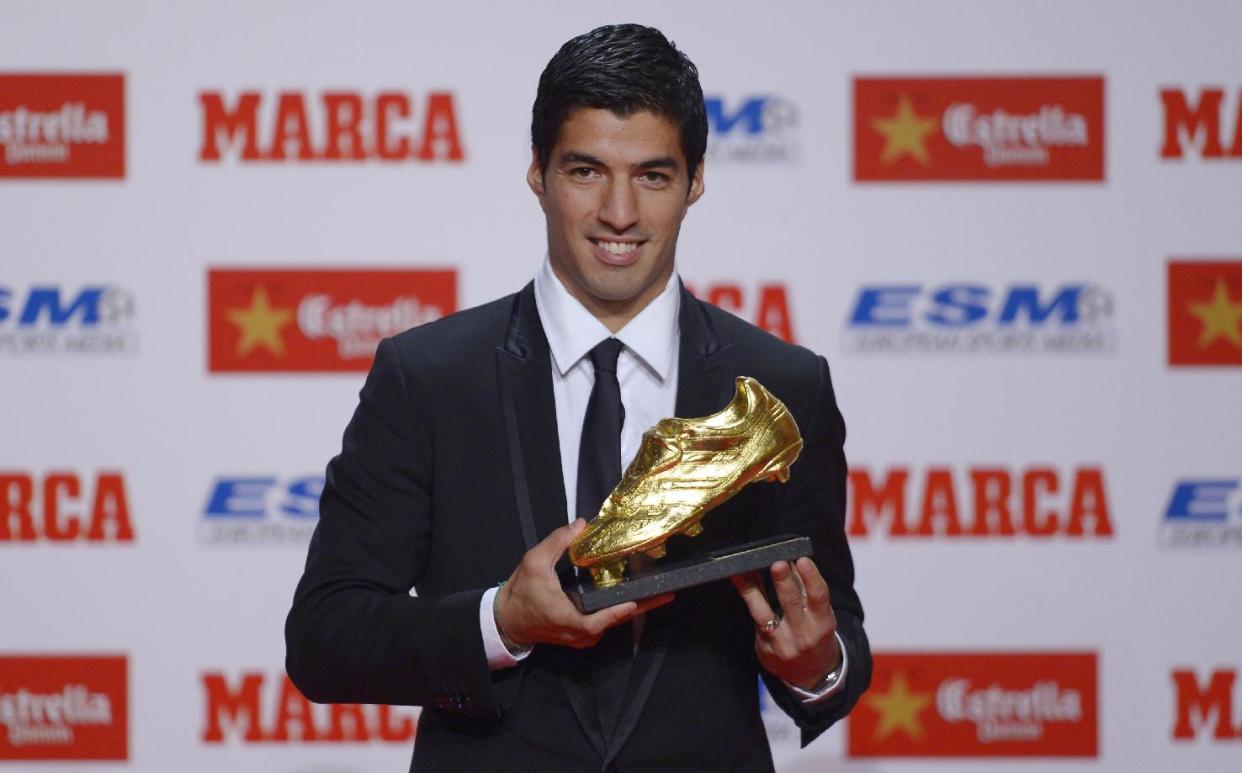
(556, 543)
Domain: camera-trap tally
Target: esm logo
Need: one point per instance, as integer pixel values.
(975, 318)
(1203, 513)
(1205, 125)
(52, 319)
(339, 126)
(752, 130)
(249, 509)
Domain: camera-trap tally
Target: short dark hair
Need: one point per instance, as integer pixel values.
(624, 68)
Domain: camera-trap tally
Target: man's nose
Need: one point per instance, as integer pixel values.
(619, 210)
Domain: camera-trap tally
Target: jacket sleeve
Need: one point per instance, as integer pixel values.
(813, 504)
(354, 633)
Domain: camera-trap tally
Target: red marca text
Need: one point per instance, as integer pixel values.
(997, 503)
(291, 717)
(62, 507)
(767, 307)
(1207, 707)
(1200, 124)
(343, 126)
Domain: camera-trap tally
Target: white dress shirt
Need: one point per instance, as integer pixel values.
(647, 373)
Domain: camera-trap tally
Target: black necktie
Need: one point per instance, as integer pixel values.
(599, 469)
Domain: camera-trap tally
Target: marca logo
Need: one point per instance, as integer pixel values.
(1203, 513)
(261, 509)
(978, 704)
(316, 320)
(1206, 709)
(973, 318)
(62, 125)
(766, 306)
(1038, 502)
(752, 130)
(344, 126)
(50, 319)
(259, 709)
(1198, 124)
(1205, 312)
(64, 507)
(908, 129)
(64, 708)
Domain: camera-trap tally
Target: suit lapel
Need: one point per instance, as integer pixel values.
(704, 386)
(524, 372)
(524, 375)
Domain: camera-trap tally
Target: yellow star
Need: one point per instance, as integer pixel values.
(260, 324)
(1220, 317)
(904, 134)
(898, 709)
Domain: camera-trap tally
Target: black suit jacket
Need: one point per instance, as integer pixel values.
(450, 470)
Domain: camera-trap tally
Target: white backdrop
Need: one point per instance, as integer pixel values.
(181, 608)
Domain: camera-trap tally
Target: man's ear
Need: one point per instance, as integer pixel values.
(534, 176)
(696, 184)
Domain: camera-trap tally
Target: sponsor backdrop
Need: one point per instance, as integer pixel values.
(1013, 229)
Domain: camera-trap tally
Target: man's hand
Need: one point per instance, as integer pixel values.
(798, 644)
(532, 608)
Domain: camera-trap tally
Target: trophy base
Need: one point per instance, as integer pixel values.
(688, 573)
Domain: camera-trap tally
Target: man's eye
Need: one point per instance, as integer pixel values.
(654, 177)
(582, 172)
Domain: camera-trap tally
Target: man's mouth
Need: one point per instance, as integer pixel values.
(617, 248)
(618, 254)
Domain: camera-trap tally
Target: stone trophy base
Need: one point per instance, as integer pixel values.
(666, 578)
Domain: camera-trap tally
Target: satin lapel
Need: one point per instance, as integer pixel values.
(704, 386)
(524, 374)
(524, 371)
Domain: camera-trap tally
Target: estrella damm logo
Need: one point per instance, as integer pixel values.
(316, 320)
(62, 125)
(1205, 312)
(978, 704)
(978, 128)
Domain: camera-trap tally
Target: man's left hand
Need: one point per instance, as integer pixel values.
(797, 644)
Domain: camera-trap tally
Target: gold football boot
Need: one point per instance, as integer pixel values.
(683, 469)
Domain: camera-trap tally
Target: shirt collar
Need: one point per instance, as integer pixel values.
(572, 331)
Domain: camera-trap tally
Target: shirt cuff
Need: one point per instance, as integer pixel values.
(808, 696)
(498, 655)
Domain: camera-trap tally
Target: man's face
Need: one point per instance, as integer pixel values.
(614, 195)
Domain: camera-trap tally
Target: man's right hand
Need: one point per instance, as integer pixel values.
(532, 608)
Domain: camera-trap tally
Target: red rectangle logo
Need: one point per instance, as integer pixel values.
(978, 704)
(979, 129)
(64, 708)
(316, 320)
(1205, 312)
(62, 125)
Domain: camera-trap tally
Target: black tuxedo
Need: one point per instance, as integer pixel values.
(450, 470)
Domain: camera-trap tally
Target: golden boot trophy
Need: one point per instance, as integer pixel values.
(684, 468)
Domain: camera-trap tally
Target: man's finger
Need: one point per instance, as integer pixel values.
(555, 544)
(788, 589)
(751, 591)
(655, 601)
(598, 622)
(817, 594)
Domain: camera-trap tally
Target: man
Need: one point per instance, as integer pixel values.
(468, 453)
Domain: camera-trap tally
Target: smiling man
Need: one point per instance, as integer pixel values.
(484, 441)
